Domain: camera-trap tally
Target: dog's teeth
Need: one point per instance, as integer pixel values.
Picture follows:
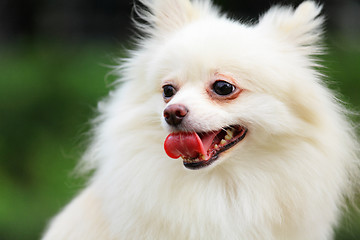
(186, 160)
(223, 142)
(216, 147)
(194, 160)
(229, 133)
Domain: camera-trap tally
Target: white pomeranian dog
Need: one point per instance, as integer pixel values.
(265, 148)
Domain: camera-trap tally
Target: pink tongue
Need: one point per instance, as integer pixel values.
(188, 144)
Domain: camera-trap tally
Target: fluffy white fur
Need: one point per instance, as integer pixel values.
(287, 179)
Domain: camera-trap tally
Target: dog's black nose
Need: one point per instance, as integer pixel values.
(174, 114)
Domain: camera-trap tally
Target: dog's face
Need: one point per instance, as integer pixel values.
(228, 86)
(214, 84)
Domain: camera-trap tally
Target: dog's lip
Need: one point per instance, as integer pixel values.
(199, 150)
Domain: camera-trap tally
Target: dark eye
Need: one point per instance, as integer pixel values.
(223, 88)
(168, 91)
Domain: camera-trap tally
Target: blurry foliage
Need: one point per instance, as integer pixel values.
(48, 93)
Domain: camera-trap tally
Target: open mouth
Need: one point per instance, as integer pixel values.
(201, 149)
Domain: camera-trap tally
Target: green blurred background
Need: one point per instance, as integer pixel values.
(55, 57)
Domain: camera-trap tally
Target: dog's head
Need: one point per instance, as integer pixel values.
(226, 86)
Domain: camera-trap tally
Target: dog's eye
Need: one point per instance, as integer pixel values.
(223, 88)
(168, 91)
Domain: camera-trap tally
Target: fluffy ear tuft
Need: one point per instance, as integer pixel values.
(169, 15)
(302, 26)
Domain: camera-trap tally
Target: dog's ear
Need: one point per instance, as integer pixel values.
(302, 26)
(169, 15)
